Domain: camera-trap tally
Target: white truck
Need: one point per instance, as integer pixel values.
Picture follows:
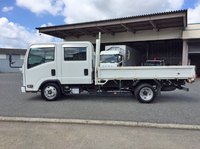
(71, 67)
(120, 55)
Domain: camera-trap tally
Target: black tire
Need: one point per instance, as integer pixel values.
(51, 92)
(145, 93)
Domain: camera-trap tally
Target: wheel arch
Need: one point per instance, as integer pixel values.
(52, 81)
(150, 82)
(139, 82)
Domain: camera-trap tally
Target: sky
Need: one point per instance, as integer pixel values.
(19, 18)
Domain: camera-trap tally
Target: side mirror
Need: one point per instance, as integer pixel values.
(119, 58)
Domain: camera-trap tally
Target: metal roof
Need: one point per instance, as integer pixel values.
(12, 51)
(132, 24)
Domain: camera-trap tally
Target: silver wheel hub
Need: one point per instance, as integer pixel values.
(50, 92)
(146, 93)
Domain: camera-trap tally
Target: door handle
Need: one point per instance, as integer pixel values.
(86, 72)
(53, 72)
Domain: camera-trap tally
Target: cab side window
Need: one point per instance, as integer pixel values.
(38, 56)
(75, 53)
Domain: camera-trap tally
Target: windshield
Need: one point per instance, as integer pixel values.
(153, 64)
(108, 58)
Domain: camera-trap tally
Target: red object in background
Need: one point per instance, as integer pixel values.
(154, 58)
(196, 76)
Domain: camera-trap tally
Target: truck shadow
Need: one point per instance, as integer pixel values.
(98, 97)
(87, 97)
(164, 98)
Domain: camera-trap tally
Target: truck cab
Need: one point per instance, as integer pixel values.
(113, 56)
(119, 56)
(110, 59)
(63, 62)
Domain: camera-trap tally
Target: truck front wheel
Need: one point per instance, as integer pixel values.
(50, 92)
(145, 93)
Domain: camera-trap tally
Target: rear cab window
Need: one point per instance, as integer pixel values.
(75, 54)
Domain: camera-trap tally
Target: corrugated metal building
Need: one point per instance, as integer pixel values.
(166, 36)
(17, 57)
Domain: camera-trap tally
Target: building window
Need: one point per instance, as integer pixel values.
(2, 56)
(74, 53)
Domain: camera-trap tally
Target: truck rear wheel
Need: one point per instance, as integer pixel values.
(50, 92)
(145, 93)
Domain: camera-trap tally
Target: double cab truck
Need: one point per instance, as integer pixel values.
(73, 67)
(120, 55)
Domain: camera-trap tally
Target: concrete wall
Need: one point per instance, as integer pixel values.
(192, 32)
(148, 35)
